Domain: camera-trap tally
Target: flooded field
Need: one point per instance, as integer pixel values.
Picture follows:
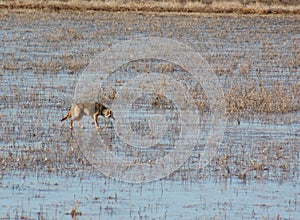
(48, 173)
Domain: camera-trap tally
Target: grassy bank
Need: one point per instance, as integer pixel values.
(179, 6)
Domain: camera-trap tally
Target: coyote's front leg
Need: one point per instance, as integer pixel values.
(95, 116)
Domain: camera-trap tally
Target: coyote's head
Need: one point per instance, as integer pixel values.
(107, 113)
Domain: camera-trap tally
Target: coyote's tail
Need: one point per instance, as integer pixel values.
(69, 115)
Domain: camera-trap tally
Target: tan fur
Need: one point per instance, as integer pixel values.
(95, 109)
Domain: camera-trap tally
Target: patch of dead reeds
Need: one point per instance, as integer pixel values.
(262, 99)
(181, 6)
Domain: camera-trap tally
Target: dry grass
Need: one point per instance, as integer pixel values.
(204, 6)
(262, 99)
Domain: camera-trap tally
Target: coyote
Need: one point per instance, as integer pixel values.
(93, 109)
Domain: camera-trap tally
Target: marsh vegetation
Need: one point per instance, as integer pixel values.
(257, 60)
(179, 6)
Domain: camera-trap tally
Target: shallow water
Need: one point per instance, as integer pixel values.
(53, 196)
(44, 172)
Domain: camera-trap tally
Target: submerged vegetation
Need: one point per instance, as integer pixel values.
(258, 68)
(45, 46)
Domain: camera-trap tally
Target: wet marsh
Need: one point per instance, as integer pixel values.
(255, 174)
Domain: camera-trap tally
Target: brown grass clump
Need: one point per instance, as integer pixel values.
(262, 99)
(203, 6)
